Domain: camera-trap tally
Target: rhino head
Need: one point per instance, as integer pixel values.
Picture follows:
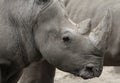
(69, 46)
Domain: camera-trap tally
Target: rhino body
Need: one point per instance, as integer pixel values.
(82, 9)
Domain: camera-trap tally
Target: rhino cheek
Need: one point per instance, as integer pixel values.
(51, 53)
(62, 59)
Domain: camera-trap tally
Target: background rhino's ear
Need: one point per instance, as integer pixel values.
(99, 36)
(84, 26)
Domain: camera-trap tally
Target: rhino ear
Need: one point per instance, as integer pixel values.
(84, 26)
(99, 36)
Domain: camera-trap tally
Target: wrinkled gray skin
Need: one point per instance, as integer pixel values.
(33, 72)
(35, 30)
(82, 9)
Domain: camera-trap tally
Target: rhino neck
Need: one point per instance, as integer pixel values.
(22, 25)
(23, 38)
(27, 38)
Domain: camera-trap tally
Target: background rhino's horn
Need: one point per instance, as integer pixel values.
(99, 36)
(84, 26)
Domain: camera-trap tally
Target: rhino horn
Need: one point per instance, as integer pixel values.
(99, 35)
(84, 26)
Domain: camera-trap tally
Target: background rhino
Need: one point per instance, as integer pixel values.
(33, 73)
(82, 9)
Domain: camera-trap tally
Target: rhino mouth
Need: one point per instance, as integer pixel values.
(90, 73)
(87, 72)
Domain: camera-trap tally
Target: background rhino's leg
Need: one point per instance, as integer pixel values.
(38, 72)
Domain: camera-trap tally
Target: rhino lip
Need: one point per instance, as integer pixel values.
(87, 74)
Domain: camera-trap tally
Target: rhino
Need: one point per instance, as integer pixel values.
(32, 74)
(80, 10)
(41, 31)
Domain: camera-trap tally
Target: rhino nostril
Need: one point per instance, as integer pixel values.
(93, 70)
(89, 68)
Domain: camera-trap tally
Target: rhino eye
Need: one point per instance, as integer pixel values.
(41, 2)
(66, 39)
(45, 1)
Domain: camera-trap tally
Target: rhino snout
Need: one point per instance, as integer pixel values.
(90, 71)
(87, 72)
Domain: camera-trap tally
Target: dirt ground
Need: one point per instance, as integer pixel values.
(109, 75)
